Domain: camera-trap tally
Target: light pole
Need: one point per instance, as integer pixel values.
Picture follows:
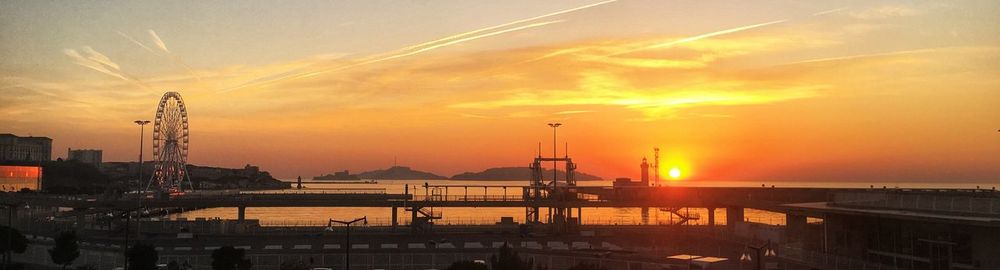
(142, 135)
(347, 250)
(138, 181)
(554, 168)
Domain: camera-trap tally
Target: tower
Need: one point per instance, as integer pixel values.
(644, 172)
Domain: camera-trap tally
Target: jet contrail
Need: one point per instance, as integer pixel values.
(505, 25)
(859, 56)
(702, 36)
(436, 46)
(158, 41)
(390, 57)
(828, 11)
(438, 43)
(135, 41)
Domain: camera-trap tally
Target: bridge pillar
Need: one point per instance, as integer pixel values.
(795, 227)
(242, 213)
(645, 216)
(711, 217)
(579, 216)
(394, 221)
(734, 216)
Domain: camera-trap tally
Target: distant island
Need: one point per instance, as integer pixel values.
(337, 176)
(518, 173)
(400, 173)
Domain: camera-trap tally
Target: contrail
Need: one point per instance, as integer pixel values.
(437, 43)
(702, 36)
(135, 41)
(505, 25)
(101, 63)
(158, 41)
(390, 57)
(828, 11)
(166, 53)
(859, 56)
(436, 46)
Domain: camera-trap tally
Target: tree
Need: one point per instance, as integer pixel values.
(66, 249)
(229, 258)
(468, 265)
(173, 265)
(11, 240)
(142, 257)
(507, 259)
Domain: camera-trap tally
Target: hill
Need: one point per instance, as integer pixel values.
(399, 173)
(517, 173)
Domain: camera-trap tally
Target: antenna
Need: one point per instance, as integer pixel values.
(539, 149)
(566, 151)
(656, 165)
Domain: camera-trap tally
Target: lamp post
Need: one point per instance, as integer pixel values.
(347, 250)
(142, 134)
(138, 181)
(554, 168)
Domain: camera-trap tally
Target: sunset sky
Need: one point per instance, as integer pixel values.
(876, 91)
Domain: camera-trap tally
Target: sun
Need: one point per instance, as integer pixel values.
(674, 173)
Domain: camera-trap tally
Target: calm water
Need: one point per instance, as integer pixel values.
(317, 216)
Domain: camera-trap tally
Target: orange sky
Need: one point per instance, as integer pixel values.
(875, 91)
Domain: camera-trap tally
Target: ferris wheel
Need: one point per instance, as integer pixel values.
(170, 145)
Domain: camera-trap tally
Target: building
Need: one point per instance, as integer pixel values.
(16, 148)
(15, 177)
(88, 156)
(898, 229)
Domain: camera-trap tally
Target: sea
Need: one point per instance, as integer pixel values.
(377, 216)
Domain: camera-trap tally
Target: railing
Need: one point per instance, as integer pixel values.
(320, 191)
(964, 203)
(827, 261)
(470, 198)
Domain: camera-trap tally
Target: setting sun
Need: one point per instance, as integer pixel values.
(674, 173)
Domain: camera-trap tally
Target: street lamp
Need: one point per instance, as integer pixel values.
(142, 134)
(554, 168)
(762, 251)
(347, 251)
